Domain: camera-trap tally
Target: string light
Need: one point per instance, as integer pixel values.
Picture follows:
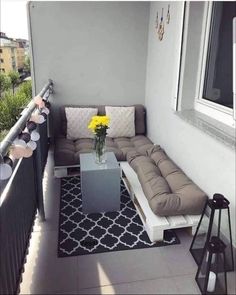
(39, 101)
(45, 110)
(6, 168)
(32, 145)
(28, 152)
(25, 143)
(25, 136)
(34, 135)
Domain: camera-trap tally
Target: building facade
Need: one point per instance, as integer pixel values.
(12, 53)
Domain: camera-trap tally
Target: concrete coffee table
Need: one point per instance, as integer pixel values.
(100, 184)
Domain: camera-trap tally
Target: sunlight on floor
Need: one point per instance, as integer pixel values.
(103, 276)
(33, 258)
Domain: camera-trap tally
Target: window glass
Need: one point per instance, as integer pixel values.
(218, 82)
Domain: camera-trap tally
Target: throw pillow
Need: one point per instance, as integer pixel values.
(77, 122)
(121, 121)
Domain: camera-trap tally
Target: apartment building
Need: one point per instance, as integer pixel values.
(22, 51)
(12, 53)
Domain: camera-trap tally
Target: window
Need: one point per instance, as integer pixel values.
(3, 70)
(215, 89)
(0, 50)
(2, 60)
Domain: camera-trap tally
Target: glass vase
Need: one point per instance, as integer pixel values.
(100, 146)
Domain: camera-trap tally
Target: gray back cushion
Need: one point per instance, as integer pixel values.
(140, 117)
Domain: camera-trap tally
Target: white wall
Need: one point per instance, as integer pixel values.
(95, 52)
(208, 162)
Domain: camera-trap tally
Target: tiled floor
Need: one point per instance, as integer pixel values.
(164, 270)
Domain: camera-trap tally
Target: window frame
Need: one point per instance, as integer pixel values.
(221, 113)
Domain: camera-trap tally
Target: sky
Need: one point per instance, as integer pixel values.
(13, 19)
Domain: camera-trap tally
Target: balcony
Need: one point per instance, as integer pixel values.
(110, 55)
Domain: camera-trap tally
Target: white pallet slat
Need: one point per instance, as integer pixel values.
(66, 171)
(193, 219)
(154, 224)
(138, 192)
(177, 220)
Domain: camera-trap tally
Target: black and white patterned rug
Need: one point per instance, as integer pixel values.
(81, 234)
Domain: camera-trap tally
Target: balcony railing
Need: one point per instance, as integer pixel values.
(20, 197)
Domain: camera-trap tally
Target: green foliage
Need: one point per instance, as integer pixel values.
(5, 83)
(3, 133)
(26, 88)
(14, 78)
(27, 64)
(11, 105)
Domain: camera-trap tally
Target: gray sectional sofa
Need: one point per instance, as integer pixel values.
(168, 190)
(67, 151)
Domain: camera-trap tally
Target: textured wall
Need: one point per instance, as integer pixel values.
(94, 51)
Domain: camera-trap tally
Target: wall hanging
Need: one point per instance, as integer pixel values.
(160, 27)
(168, 15)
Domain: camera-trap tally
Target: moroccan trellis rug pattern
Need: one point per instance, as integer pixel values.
(81, 234)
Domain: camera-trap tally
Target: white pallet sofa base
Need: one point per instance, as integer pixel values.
(64, 171)
(154, 225)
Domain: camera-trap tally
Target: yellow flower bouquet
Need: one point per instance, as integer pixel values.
(99, 125)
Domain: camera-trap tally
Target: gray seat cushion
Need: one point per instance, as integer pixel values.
(168, 190)
(67, 151)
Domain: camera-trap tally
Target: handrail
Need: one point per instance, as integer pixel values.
(20, 124)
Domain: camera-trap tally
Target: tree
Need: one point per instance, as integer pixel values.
(27, 64)
(4, 83)
(14, 78)
(11, 105)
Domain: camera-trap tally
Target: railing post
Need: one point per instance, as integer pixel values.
(38, 182)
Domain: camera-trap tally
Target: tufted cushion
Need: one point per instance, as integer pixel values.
(140, 118)
(121, 121)
(168, 190)
(67, 151)
(77, 122)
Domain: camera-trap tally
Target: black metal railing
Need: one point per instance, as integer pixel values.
(18, 206)
(20, 198)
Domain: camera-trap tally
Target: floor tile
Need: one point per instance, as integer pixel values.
(185, 237)
(231, 282)
(186, 284)
(179, 260)
(45, 273)
(121, 266)
(157, 286)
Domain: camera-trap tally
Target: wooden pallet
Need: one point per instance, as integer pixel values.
(66, 171)
(154, 224)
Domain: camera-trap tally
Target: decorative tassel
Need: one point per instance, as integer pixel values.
(168, 15)
(161, 30)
